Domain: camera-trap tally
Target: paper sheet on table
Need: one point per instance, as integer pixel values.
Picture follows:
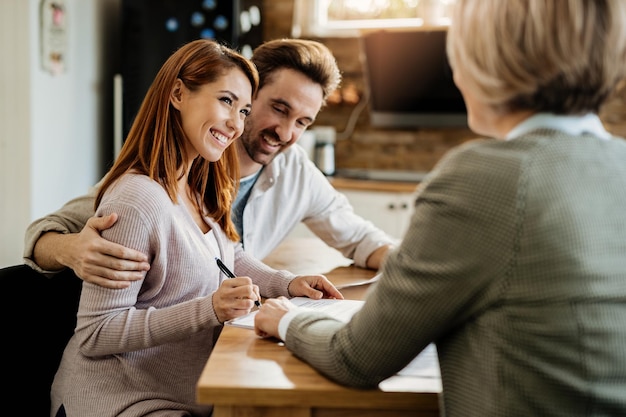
(425, 365)
(340, 309)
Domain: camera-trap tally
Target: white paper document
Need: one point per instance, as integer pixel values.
(340, 309)
(425, 365)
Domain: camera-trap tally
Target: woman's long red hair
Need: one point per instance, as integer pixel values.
(155, 145)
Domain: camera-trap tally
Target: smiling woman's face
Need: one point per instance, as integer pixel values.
(213, 116)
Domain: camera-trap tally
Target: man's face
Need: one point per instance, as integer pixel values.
(281, 111)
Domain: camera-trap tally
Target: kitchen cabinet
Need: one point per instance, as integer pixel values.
(389, 205)
(390, 211)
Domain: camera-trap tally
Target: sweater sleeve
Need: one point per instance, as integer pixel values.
(456, 233)
(271, 282)
(173, 301)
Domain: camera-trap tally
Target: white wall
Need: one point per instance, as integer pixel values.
(55, 130)
(14, 127)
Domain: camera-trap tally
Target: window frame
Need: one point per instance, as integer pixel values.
(310, 20)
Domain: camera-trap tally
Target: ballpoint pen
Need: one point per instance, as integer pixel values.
(229, 274)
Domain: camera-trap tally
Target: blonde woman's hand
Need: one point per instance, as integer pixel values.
(269, 315)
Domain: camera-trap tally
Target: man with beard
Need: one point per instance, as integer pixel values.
(279, 185)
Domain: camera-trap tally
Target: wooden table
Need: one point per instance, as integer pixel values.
(247, 376)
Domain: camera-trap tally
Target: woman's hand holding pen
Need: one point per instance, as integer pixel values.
(313, 286)
(234, 298)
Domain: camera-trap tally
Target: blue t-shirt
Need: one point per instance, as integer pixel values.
(245, 187)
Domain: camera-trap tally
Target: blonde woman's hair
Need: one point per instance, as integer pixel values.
(559, 56)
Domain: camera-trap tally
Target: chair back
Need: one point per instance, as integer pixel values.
(39, 316)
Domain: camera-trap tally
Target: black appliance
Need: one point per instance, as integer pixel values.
(151, 30)
(410, 80)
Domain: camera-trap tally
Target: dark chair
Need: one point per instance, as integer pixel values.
(39, 317)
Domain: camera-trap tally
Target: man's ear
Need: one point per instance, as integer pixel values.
(176, 96)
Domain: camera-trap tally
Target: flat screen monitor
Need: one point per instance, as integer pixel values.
(410, 80)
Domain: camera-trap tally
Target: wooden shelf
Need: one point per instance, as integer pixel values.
(341, 183)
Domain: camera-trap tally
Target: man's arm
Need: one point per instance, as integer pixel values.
(334, 221)
(329, 214)
(70, 237)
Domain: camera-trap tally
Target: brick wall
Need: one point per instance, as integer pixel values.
(394, 149)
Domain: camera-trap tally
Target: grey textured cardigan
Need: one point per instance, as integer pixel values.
(515, 266)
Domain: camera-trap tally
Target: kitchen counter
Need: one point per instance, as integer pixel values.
(343, 183)
(377, 180)
(382, 174)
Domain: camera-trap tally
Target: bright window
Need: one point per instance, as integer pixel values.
(323, 18)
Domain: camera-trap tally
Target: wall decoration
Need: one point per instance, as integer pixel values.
(53, 28)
